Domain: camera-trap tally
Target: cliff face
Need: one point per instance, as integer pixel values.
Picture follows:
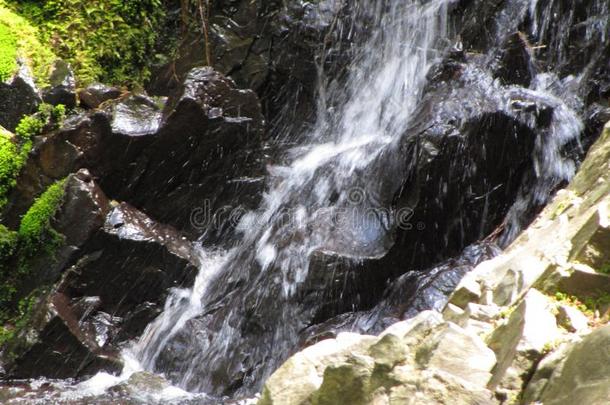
(529, 325)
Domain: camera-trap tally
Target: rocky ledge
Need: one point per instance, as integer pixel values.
(528, 326)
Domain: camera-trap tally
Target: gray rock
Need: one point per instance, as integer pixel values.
(585, 376)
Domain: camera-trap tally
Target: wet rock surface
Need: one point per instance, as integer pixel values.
(97, 93)
(508, 93)
(111, 287)
(18, 97)
(504, 317)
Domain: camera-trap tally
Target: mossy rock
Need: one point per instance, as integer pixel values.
(19, 39)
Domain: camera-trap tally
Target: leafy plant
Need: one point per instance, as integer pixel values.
(20, 39)
(106, 40)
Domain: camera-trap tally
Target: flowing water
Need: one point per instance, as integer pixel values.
(321, 200)
(333, 194)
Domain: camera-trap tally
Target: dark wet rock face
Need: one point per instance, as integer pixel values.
(147, 259)
(18, 97)
(111, 287)
(214, 132)
(82, 212)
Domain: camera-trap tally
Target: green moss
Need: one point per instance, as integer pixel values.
(8, 243)
(105, 40)
(11, 323)
(14, 151)
(8, 53)
(35, 232)
(12, 159)
(19, 38)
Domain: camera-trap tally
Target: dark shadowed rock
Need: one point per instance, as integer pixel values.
(105, 142)
(95, 94)
(18, 97)
(116, 283)
(517, 64)
(204, 160)
(81, 213)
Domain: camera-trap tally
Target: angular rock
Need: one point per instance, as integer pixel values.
(591, 245)
(584, 378)
(18, 97)
(136, 115)
(62, 88)
(85, 141)
(97, 93)
(424, 359)
(529, 329)
(572, 319)
(147, 259)
(112, 287)
(82, 212)
(203, 164)
(53, 345)
(455, 351)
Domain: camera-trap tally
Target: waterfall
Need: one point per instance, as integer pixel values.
(322, 198)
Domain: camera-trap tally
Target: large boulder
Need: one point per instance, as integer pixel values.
(584, 376)
(204, 161)
(424, 359)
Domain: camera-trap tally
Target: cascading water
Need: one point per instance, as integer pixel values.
(334, 195)
(323, 191)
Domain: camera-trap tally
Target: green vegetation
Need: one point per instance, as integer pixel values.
(8, 53)
(35, 231)
(35, 236)
(18, 38)
(14, 150)
(12, 159)
(10, 323)
(587, 305)
(106, 40)
(605, 269)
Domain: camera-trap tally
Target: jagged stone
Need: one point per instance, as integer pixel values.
(121, 265)
(82, 211)
(572, 319)
(584, 378)
(97, 93)
(18, 97)
(529, 329)
(423, 358)
(62, 88)
(209, 125)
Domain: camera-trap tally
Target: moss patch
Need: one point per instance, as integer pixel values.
(12, 158)
(35, 238)
(107, 40)
(8, 53)
(19, 38)
(35, 231)
(14, 150)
